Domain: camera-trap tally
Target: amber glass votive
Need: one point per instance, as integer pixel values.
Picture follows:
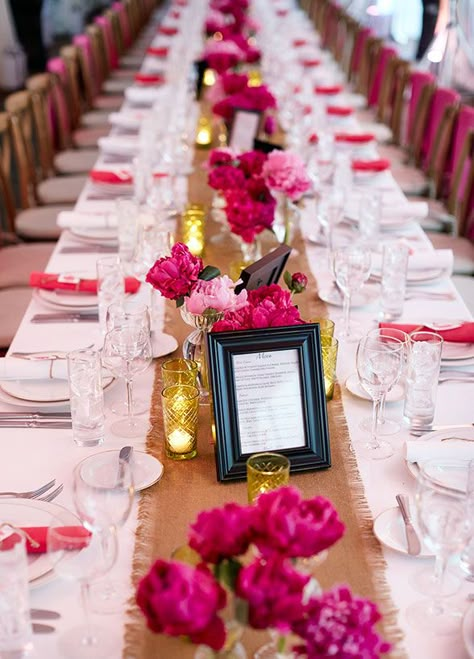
(192, 228)
(326, 326)
(179, 371)
(265, 472)
(180, 418)
(329, 346)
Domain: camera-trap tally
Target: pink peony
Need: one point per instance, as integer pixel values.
(251, 163)
(222, 533)
(178, 599)
(337, 624)
(223, 55)
(274, 591)
(225, 178)
(222, 156)
(294, 527)
(218, 294)
(285, 172)
(175, 275)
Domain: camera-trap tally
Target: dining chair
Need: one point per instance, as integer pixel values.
(18, 259)
(382, 67)
(115, 80)
(13, 304)
(363, 33)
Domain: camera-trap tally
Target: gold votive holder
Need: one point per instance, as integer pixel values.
(329, 346)
(209, 78)
(265, 472)
(326, 326)
(192, 228)
(179, 371)
(180, 418)
(204, 132)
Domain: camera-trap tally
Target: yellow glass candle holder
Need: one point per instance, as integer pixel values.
(179, 371)
(180, 418)
(265, 472)
(204, 132)
(329, 346)
(192, 228)
(326, 326)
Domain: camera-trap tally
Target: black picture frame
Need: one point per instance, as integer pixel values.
(238, 115)
(222, 347)
(265, 146)
(265, 271)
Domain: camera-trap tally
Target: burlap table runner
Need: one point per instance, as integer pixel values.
(167, 508)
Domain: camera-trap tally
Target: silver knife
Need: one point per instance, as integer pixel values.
(35, 415)
(25, 423)
(413, 542)
(125, 455)
(65, 318)
(44, 614)
(93, 249)
(39, 628)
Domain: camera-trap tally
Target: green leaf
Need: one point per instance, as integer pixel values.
(179, 301)
(227, 572)
(287, 278)
(209, 272)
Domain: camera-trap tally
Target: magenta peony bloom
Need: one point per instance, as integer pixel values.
(223, 55)
(219, 157)
(294, 527)
(285, 172)
(270, 125)
(251, 163)
(337, 624)
(178, 599)
(226, 178)
(218, 294)
(247, 216)
(222, 532)
(233, 82)
(175, 275)
(274, 591)
(248, 98)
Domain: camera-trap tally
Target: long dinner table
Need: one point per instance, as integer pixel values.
(32, 456)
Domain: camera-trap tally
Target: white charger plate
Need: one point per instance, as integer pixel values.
(146, 469)
(364, 297)
(390, 531)
(468, 631)
(457, 351)
(31, 512)
(42, 391)
(353, 385)
(454, 478)
(416, 276)
(106, 235)
(76, 301)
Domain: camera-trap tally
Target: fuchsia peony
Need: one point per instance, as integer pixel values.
(178, 599)
(337, 624)
(217, 294)
(175, 275)
(225, 178)
(223, 55)
(249, 210)
(285, 172)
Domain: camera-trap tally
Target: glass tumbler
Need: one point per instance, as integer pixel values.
(265, 472)
(15, 625)
(394, 280)
(87, 397)
(424, 361)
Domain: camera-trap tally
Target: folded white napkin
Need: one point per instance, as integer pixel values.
(434, 449)
(74, 220)
(145, 95)
(415, 210)
(26, 369)
(125, 145)
(437, 258)
(126, 119)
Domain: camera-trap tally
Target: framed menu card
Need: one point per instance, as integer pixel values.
(244, 129)
(268, 395)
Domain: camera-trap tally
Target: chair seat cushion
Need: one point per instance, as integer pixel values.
(79, 161)
(61, 190)
(123, 74)
(17, 261)
(95, 118)
(411, 180)
(382, 132)
(39, 223)
(86, 138)
(462, 248)
(110, 102)
(13, 304)
(116, 85)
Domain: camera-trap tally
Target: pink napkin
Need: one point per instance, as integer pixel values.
(149, 79)
(339, 110)
(463, 334)
(51, 282)
(307, 63)
(328, 90)
(355, 138)
(39, 535)
(168, 30)
(299, 42)
(379, 165)
(161, 51)
(105, 176)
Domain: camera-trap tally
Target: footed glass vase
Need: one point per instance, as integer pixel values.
(279, 647)
(233, 648)
(286, 220)
(194, 344)
(250, 252)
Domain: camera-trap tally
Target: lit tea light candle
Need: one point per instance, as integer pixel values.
(209, 78)
(195, 245)
(179, 441)
(204, 132)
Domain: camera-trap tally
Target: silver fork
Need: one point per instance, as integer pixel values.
(52, 495)
(31, 494)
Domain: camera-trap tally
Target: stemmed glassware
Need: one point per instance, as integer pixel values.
(77, 554)
(380, 361)
(443, 521)
(127, 351)
(351, 269)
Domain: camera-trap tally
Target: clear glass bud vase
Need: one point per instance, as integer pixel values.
(233, 648)
(286, 220)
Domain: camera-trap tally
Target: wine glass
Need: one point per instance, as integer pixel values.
(379, 365)
(443, 522)
(103, 491)
(388, 426)
(79, 555)
(351, 269)
(127, 352)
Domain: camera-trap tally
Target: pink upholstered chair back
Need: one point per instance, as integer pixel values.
(385, 57)
(464, 124)
(124, 24)
(105, 25)
(442, 98)
(60, 121)
(361, 38)
(418, 80)
(83, 42)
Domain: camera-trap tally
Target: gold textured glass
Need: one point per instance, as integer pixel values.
(179, 371)
(329, 346)
(326, 326)
(180, 418)
(265, 472)
(192, 228)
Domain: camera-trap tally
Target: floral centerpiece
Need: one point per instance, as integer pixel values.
(251, 553)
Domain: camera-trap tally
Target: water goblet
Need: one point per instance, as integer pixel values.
(77, 554)
(351, 270)
(127, 351)
(379, 365)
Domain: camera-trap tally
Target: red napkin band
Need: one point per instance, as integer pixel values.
(313, 138)
(157, 51)
(149, 79)
(328, 89)
(299, 42)
(104, 176)
(282, 12)
(66, 282)
(339, 110)
(463, 334)
(39, 534)
(175, 14)
(310, 62)
(360, 138)
(168, 30)
(370, 165)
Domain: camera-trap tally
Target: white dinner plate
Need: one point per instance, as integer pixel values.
(468, 631)
(353, 385)
(451, 478)
(163, 344)
(31, 512)
(416, 276)
(457, 351)
(146, 469)
(364, 297)
(99, 235)
(43, 391)
(60, 406)
(390, 531)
